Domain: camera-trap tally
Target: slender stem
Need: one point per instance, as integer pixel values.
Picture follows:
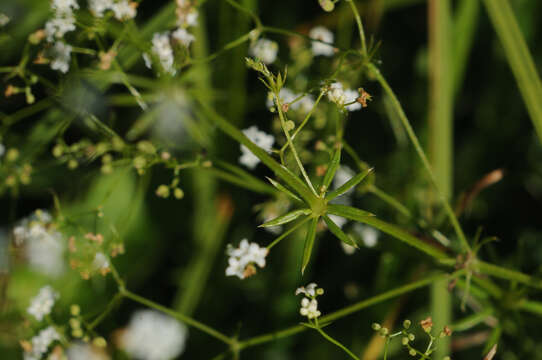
(185, 319)
(421, 154)
(390, 200)
(282, 118)
(110, 306)
(333, 341)
(360, 26)
(249, 12)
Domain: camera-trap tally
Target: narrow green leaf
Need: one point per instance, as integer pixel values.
(398, 233)
(333, 166)
(348, 185)
(309, 242)
(286, 218)
(519, 58)
(283, 189)
(336, 230)
(508, 274)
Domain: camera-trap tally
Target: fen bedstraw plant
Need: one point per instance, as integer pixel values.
(167, 147)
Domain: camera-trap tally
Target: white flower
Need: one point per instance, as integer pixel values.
(64, 6)
(57, 27)
(368, 234)
(342, 175)
(305, 104)
(4, 19)
(285, 95)
(161, 47)
(100, 262)
(98, 7)
(82, 351)
(244, 256)
(42, 304)
(123, 10)
(260, 138)
(341, 96)
(309, 308)
(309, 290)
(187, 16)
(183, 36)
(154, 336)
(61, 57)
(41, 342)
(2, 150)
(348, 249)
(322, 34)
(45, 251)
(265, 50)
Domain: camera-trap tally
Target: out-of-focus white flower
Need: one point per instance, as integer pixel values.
(161, 47)
(61, 57)
(187, 16)
(309, 308)
(41, 342)
(4, 19)
(285, 95)
(82, 351)
(309, 290)
(322, 34)
(338, 220)
(260, 138)
(101, 262)
(341, 96)
(123, 10)
(2, 150)
(152, 335)
(183, 36)
(98, 7)
(61, 7)
(57, 27)
(241, 259)
(305, 104)
(368, 234)
(265, 50)
(342, 175)
(42, 304)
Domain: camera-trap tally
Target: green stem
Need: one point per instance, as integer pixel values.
(333, 341)
(421, 154)
(185, 319)
(360, 26)
(390, 200)
(106, 312)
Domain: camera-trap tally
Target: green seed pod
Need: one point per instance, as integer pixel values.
(327, 5)
(376, 326)
(412, 352)
(407, 323)
(404, 341)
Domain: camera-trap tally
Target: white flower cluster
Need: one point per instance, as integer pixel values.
(287, 96)
(4, 19)
(61, 56)
(55, 29)
(368, 234)
(341, 97)
(309, 304)
(265, 50)
(43, 245)
(152, 335)
(322, 34)
(41, 342)
(187, 14)
(42, 304)
(260, 138)
(241, 259)
(122, 9)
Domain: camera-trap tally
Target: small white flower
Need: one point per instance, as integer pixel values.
(183, 36)
(309, 290)
(57, 27)
(61, 57)
(187, 16)
(305, 104)
(265, 50)
(100, 262)
(161, 47)
(285, 95)
(99, 7)
(151, 335)
(42, 304)
(368, 234)
(322, 34)
(4, 19)
(348, 249)
(241, 259)
(309, 308)
(123, 10)
(341, 96)
(41, 342)
(260, 138)
(62, 7)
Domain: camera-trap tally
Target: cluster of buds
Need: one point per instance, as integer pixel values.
(84, 150)
(94, 254)
(407, 337)
(18, 173)
(309, 304)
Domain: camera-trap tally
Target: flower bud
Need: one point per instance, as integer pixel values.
(327, 5)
